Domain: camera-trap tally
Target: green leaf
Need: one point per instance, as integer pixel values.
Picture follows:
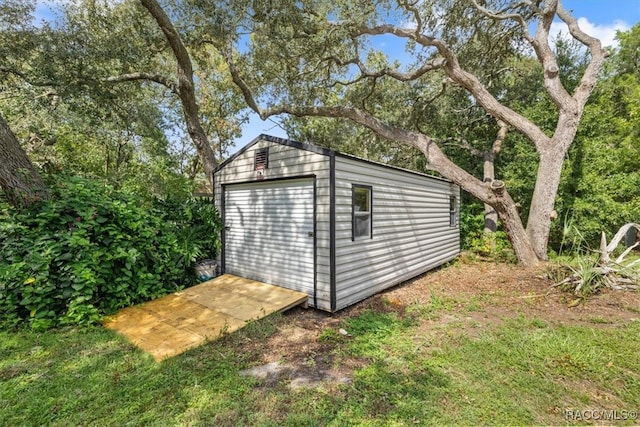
(65, 256)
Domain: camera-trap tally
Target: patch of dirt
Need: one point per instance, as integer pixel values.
(472, 296)
(298, 356)
(486, 290)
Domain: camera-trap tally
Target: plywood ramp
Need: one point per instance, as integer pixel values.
(175, 323)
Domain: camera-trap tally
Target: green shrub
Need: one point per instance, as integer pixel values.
(91, 250)
(197, 222)
(475, 240)
(471, 225)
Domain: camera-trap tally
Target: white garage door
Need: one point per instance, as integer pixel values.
(269, 232)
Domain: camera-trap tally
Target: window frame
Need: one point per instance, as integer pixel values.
(453, 211)
(354, 213)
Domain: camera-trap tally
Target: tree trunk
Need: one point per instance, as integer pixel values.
(490, 214)
(489, 174)
(19, 180)
(543, 200)
(493, 194)
(507, 210)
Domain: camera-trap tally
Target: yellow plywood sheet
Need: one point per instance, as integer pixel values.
(175, 323)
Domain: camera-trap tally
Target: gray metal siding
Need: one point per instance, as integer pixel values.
(411, 231)
(290, 162)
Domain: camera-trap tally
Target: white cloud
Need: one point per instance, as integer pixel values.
(606, 33)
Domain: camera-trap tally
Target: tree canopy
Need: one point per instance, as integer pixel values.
(101, 85)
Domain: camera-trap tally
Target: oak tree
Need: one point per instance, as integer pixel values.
(303, 54)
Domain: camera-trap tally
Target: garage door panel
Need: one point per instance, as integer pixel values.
(268, 234)
(287, 266)
(263, 238)
(274, 249)
(280, 225)
(287, 270)
(300, 249)
(265, 230)
(255, 213)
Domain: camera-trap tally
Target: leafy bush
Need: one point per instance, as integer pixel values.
(197, 222)
(91, 250)
(471, 224)
(475, 240)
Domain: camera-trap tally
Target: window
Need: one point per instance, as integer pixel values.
(361, 212)
(453, 212)
(261, 159)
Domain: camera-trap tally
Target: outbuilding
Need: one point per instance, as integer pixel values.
(337, 227)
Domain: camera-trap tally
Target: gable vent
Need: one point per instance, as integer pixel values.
(261, 159)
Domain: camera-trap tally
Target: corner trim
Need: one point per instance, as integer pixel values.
(315, 243)
(223, 232)
(332, 231)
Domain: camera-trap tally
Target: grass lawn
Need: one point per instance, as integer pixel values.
(448, 359)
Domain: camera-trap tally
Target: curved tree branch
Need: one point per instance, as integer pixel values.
(467, 80)
(186, 86)
(598, 55)
(496, 147)
(26, 78)
(553, 85)
(540, 43)
(501, 16)
(437, 160)
(157, 78)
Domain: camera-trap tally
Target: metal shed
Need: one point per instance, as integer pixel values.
(334, 226)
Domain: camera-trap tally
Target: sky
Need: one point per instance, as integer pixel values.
(599, 18)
